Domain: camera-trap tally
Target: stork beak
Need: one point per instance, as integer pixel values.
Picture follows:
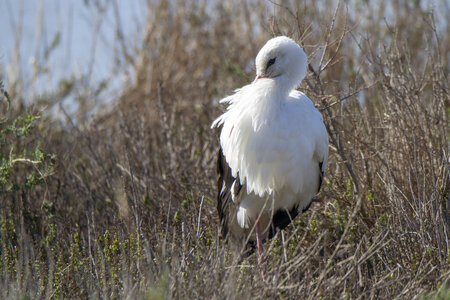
(258, 77)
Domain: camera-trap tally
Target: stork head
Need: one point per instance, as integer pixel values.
(282, 59)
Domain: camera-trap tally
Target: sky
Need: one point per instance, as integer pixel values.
(71, 25)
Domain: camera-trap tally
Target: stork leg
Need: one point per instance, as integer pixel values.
(260, 250)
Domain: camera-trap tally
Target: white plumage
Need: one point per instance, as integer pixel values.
(274, 143)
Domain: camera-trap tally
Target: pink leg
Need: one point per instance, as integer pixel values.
(260, 250)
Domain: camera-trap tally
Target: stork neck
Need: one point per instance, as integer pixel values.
(274, 89)
(285, 84)
(269, 104)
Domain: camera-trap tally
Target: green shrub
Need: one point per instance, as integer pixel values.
(23, 163)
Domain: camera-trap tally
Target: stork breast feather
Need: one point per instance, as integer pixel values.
(268, 150)
(270, 158)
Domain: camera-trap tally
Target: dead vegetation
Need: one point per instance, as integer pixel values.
(127, 208)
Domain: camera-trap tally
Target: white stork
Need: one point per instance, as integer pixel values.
(274, 147)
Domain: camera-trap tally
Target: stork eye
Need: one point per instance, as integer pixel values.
(270, 62)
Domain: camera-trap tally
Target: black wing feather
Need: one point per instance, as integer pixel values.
(320, 175)
(224, 192)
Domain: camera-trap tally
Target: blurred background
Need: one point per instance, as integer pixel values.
(47, 44)
(107, 160)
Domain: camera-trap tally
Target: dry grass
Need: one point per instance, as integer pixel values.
(128, 210)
